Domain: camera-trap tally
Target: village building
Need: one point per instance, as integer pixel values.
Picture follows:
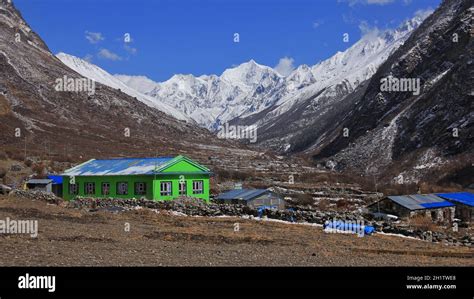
(163, 178)
(45, 185)
(464, 202)
(255, 198)
(407, 206)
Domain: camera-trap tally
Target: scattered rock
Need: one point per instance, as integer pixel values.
(16, 167)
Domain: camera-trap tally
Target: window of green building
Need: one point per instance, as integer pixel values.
(105, 188)
(165, 188)
(122, 188)
(74, 189)
(182, 188)
(198, 187)
(140, 188)
(89, 188)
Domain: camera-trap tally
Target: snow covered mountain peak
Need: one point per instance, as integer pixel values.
(250, 88)
(97, 74)
(249, 73)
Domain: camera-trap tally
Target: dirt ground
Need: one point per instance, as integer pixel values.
(69, 237)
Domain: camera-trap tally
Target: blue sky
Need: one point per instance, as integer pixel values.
(197, 37)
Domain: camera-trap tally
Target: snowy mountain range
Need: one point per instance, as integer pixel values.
(250, 88)
(97, 74)
(257, 95)
(213, 100)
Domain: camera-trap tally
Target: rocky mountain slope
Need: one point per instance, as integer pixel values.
(411, 133)
(284, 126)
(40, 119)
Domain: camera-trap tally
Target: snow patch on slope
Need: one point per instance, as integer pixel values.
(95, 73)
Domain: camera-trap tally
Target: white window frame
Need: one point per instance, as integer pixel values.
(198, 187)
(182, 191)
(168, 188)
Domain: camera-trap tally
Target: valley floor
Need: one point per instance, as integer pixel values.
(69, 237)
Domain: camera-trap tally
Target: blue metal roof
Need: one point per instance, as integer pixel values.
(242, 194)
(121, 166)
(466, 198)
(421, 201)
(57, 179)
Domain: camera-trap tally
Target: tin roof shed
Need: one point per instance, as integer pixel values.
(242, 194)
(421, 201)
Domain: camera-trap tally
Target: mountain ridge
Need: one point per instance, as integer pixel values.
(245, 90)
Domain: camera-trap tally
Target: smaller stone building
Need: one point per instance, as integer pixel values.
(406, 206)
(255, 198)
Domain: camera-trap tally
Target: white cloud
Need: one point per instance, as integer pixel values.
(88, 58)
(94, 37)
(107, 54)
(424, 13)
(130, 49)
(366, 29)
(285, 66)
(317, 23)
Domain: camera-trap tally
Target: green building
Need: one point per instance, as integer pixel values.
(163, 178)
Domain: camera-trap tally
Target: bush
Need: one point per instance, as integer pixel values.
(40, 170)
(422, 222)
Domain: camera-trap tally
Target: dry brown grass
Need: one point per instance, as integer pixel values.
(3, 156)
(422, 222)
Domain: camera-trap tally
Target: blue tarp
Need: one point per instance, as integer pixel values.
(466, 198)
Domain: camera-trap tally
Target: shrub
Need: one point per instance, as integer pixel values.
(40, 170)
(422, 222)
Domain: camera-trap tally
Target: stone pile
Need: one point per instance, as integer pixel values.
(437, 237)
(196, 207)
(36, 195)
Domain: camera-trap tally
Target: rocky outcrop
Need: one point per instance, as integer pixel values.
(410, 130)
